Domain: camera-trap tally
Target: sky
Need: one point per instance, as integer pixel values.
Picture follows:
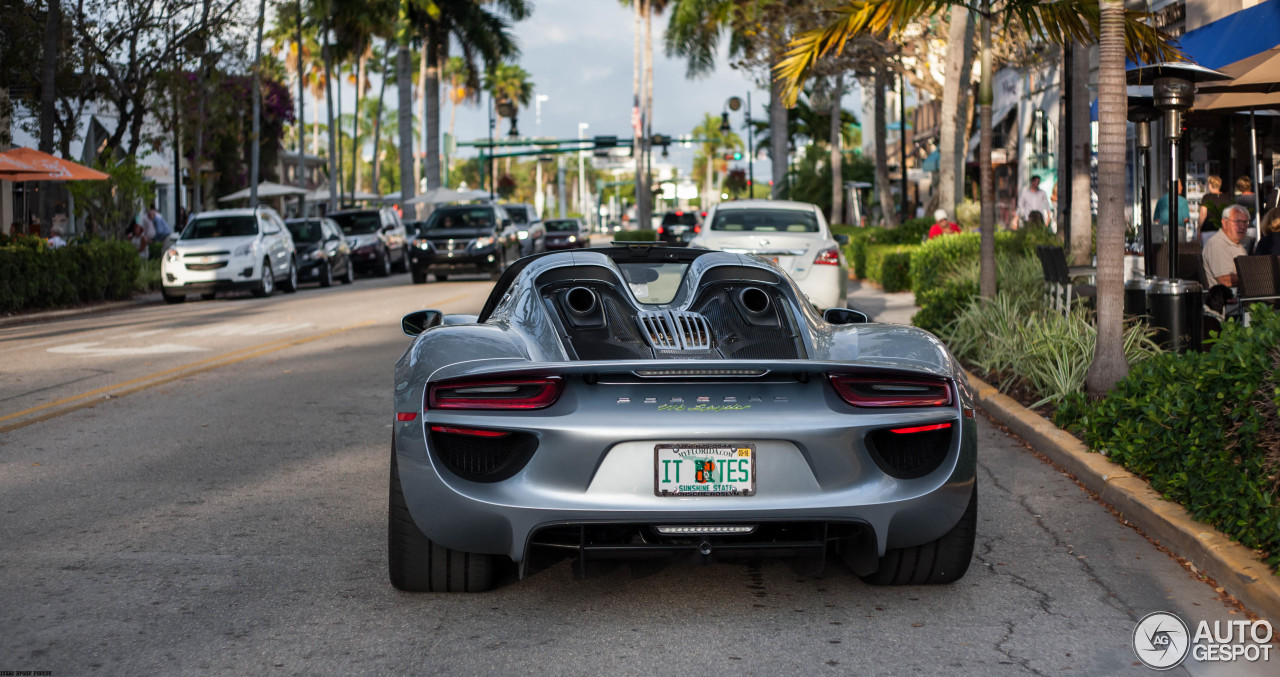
(579, 54)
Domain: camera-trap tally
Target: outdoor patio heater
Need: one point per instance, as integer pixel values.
(1176, 306)
(1142, 111)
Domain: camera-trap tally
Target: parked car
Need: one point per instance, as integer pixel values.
(567, 234)
(477, 238)
(679, 403)
(229, 249)
(793, 235)
(323, 254)
(679, 227)
(530, 229)
(377, 239)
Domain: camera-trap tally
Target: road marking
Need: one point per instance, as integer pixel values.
(88, 349)
(81, 401)
(235, 329)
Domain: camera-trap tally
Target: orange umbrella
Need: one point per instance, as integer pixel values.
(11, 167)
(48, 167)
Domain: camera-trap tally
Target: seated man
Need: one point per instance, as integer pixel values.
(941, 225)
(1220, 252)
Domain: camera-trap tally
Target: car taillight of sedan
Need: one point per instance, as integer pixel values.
(828, 257)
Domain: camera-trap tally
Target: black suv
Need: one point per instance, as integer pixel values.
(532, 234)
(465, 239)
(677, 228)
(377, 239)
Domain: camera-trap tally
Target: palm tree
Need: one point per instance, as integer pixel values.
(714, 143)
(952, 141)
(1058, 22)
(509, 84)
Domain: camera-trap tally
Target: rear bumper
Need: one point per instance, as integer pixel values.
(459, 262)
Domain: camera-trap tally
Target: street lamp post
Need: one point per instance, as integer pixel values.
(734, 103)
(488, 163)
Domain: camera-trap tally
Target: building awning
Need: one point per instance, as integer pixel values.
(1234, 37)
(930, 163)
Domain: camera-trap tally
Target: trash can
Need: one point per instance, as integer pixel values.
(1176, 308)
(1135, 295)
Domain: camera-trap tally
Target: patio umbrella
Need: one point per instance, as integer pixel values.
(13, 167)
(265, 189)
(47, 168)
(436, 195)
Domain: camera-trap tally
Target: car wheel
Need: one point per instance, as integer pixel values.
(386, 264)
(442, 277)
(350, 277)
(209, 296)
(415, 564)
(267, 284)
(326, 275)
(419, 277)
(942, 561)
(290, 284)
(404, 260)
(172, 298)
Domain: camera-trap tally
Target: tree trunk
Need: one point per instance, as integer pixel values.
(888, 214)
(377, 123)
(837, 153)
(197, 157)
(404, 112)
(708, 178)
(422, 116)
(342, 171)
(334, 179)
(362, 72)
(638, 146)
(302, 118)
(48, 98)
(432, 97)
(1109, 364)
(648, 100)
(778, 138)
(952, 137)
(1081, 138)
(255, 136)
(987, 226)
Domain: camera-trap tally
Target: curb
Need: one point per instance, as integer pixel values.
(1236, 568)
(68, 313)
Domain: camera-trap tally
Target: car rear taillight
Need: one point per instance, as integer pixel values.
(697, 229)
(889, 391)
(531, 393)
(828, 257)
(660, 229)
(470, 432)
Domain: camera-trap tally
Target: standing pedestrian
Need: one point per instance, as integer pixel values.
(1032, 199)
(1211, 206)
(162, 227)
(1245, 197)
(1160, 217)
(1269, 237)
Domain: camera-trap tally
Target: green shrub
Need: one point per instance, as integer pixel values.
(889, 265)
(646, 235)
(856, 251)
(1202, 428)
(941, 305)
(39, 277)
(908, 232)
(149, 276)
(969, 215)
(942, 256)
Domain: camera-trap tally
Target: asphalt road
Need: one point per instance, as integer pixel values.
(225, 511)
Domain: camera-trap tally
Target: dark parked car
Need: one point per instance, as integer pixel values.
(323, 254)
(677, 228)
(464, 239)
(531, 231)
(567, 234)
(377, 239)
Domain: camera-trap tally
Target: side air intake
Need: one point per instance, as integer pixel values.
(669, 330)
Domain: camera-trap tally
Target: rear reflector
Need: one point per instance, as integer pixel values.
(828, 257)
(888, 391)
(530, 393)
(406, 415)
(473, 432)
(921, 428)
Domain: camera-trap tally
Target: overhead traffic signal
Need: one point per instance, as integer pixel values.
(735, 155)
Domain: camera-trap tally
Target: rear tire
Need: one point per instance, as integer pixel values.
(172, 298)
(209, 296)
(385, 270)
(403, 266)
(290, 284)
(350, 277)
(942, 561)
(326, 275)
(267, 284)
(415, 564)
(419, 278)
(442, 277)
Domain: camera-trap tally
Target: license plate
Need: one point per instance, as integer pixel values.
(720, 469)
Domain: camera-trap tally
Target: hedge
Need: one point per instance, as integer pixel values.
(889, 265)
(1202, 428)
(39, 277)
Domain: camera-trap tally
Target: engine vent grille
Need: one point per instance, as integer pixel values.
(675, 330)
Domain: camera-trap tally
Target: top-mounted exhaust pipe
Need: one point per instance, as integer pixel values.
(581, 301)
(754, 299)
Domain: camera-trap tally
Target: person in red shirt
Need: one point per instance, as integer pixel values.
(941, 225)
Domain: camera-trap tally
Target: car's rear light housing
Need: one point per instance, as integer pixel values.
(908, 453)
(697, 229)
(661, 229)
(498, 394)
(828, 257)
(862, 390)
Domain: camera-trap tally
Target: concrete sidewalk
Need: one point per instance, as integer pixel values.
(895, 308)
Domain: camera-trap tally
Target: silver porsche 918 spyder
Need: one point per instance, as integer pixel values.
(650, 402)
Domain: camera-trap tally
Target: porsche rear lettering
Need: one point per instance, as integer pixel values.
(703, 407)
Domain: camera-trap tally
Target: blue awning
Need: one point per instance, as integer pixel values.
(1232, 38)
(930, 163)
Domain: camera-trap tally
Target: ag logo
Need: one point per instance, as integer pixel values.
(1161, 640)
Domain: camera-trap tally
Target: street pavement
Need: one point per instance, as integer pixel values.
(229, 515)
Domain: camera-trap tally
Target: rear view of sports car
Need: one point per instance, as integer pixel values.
(674, 403)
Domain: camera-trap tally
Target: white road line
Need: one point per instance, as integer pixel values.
(88, 349)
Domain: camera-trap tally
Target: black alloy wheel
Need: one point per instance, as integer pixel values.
(350, 277)
(326, 275)
(386, 264)
(290, 284)
(172, 298)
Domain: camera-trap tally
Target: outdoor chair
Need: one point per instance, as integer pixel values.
(1259, 282)
(1189, 261)
(1050, 277)
(1063, 275)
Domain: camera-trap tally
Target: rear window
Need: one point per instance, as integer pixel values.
(680, 219)
(653, 282)
(220, 226)
(765, 220)
(305, 231)
(562, 226)
(359, 223)
(465, 217)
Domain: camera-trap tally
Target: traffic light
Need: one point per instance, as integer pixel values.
(605, 141)
(735, 155)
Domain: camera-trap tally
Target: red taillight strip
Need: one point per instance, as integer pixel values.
(547, 391)
(404, 416)
(921, 428)
(844, 386)
(473, 432)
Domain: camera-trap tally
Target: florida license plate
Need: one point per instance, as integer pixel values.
(720, 469)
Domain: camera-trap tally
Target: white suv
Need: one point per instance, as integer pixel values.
(230, 249)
